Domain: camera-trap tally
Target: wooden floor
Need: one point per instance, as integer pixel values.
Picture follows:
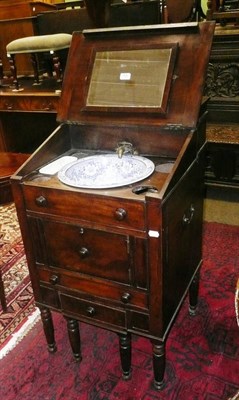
(222, 206)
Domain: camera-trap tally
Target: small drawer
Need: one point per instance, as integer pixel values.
(138, 321)
(29, 103)
(86, 207)
(122, 295)
(49, 297)
(92, 311)
(8, 104)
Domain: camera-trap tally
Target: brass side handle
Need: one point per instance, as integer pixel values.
(120, 214)
(187, 217)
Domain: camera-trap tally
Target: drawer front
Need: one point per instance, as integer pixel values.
(121, 295)
(86, 207)
(88, 251)
(137, 322)
(29, 103)
(49, 297)
(83, 309)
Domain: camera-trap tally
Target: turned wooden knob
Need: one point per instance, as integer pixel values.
(90, 311)
(9, 106)
(126, 297)
(120, 214)
(48, 107)
(84, 252)
(54, 279)
(41, 201)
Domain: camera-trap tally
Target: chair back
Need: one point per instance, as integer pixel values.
(136, 13)
(63, 21)
(180, 10)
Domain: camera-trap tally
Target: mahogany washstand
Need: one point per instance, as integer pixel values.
(122, 258)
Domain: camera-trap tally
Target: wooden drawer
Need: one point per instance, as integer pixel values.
(48, 296)
(122, 295)
(85, 310)
(47, 103)
(86, 207)
(136, 321)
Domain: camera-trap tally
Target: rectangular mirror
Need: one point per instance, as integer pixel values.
(132, 80)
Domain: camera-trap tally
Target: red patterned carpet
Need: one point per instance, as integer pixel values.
(202, 351)
(18, 291)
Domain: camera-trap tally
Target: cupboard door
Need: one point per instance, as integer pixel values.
(86, 251)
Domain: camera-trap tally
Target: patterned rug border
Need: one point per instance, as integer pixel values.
(21, 312)
(236, 397)
(23, 329)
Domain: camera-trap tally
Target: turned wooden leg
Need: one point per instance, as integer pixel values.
(125, 355)
(74, 337)
(158, 364)
(35, 69)
(48, 329)
(13, 70)
(57, 66)
(193, 294)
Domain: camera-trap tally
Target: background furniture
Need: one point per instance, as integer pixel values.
(223, 10)
(16, 21)
(135, 13)
(27, 116)
(69, 4)
(223, 109)
(64, 21)
(52, 45)
(9, 163)
(142, 12)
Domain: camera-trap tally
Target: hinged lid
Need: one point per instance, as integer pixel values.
(144, 75)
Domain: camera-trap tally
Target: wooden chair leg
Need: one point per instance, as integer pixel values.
(13, 70)
(34, 61)
(57, 66)
(48, 64)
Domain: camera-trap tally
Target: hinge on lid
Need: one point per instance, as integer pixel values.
(174, 127)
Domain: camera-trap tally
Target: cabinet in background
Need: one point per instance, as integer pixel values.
(26, 117)
(222, 168)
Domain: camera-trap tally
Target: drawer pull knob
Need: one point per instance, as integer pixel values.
(54, 279)
(48, 107)
(41, 201)
(125, 297)
(120, 214)
(84, 252)
(90, 311)
(9, 106)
